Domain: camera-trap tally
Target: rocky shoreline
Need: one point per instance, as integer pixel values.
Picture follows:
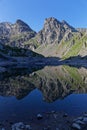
(49, 121)
(26, 62)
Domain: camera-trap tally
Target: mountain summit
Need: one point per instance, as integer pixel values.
(15, 34)
(54, 39)
(54, 31)
(21, 26)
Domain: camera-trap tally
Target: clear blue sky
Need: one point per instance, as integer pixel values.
(33, 12)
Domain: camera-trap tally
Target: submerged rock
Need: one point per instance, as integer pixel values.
(85, 119)
(65, 115)
(3, 129)
(80, 122)
(21, 126)
(39, 116)
(57, 128)
(85, 115)
(76, 126)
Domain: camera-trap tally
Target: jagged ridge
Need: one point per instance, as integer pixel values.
(55, 39)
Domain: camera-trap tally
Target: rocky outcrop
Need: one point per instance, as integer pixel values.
(15, 34)
(20, 27)
(54, 31)
(55, 39)
(82, 30)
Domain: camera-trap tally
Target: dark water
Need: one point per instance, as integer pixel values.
(24, 95)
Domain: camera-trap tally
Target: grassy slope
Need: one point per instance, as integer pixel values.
(68, 77)
(65, 49)
(75, 49)
(76, 79)
(33, 42)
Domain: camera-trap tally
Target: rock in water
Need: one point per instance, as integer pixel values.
(76, 126)
(65, 115)
(20, 126)
(85, 119)
(80, 122)
(3, 129)
(39, 116)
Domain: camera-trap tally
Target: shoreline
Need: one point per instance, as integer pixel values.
(49, 121)
(25, 62)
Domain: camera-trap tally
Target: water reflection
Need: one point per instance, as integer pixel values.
(53, 82)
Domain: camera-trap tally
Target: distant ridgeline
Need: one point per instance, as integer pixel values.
(55, 39)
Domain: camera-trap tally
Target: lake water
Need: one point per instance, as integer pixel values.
(26, 93)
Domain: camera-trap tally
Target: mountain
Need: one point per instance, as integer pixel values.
(12, 38)
(15, 34)
(53, 32)
(55, 39)
(61, 39)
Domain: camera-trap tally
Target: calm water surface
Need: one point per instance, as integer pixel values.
(61, 88)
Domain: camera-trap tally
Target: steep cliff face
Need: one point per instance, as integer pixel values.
(61, 39)
(15, 34)
(54, 31)
(20, 27)
(55, 39)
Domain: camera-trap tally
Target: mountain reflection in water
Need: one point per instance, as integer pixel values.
(49, 88)
(54, 82)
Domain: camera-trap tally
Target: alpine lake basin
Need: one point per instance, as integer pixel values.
(24, 93)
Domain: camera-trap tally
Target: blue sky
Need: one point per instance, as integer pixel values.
(33, 12)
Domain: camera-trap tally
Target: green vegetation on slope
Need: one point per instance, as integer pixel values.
(33, 42)
(76, 47)
(76, 79)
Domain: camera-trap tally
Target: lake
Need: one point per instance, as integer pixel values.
(25, 93)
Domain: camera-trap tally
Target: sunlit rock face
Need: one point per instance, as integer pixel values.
(15, 34)
(54, 31)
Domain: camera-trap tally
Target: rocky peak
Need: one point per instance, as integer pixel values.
(54, 31)
(20, 22)
(15, 34)
(52, 22)
(21, 26)
(68, 27)
(5, 29)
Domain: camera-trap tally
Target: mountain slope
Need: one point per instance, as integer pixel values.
(15, 34)
(52, 33)
(67, 42)
(55, 39)
(77, 45)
